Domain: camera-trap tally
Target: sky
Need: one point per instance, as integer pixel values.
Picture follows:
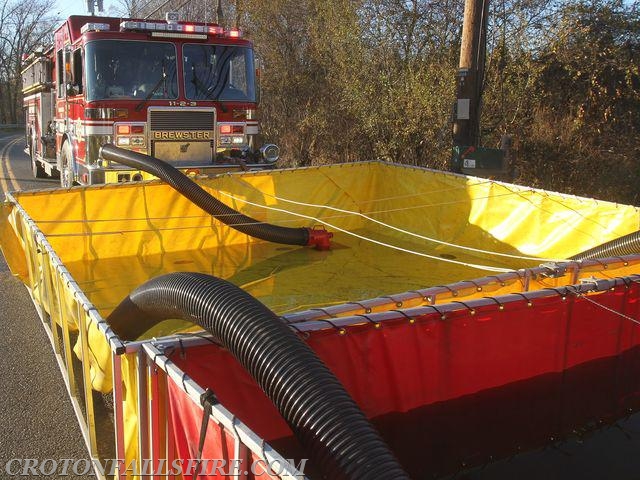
(66, 8)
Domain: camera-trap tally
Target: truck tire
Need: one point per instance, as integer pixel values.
(36, 167)
(66, 167)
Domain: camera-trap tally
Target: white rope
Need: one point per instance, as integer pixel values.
(431, 192)
(521, 194)
(545, 194)
(163, 229)
(581, 215)
(604, 307)
(394, 247)
(440, 204)
(407, 232)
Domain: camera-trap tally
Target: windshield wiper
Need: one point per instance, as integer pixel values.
(213, 92)
(200, 87)
(207, 92)
(223, 72)
(163, 78)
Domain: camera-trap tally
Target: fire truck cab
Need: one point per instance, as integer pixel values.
(186, 93)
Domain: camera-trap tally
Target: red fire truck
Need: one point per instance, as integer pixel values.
(185, 93)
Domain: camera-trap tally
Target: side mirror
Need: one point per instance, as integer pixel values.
(72, 90)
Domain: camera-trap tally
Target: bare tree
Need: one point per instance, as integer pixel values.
(24, 27)
(140, 8)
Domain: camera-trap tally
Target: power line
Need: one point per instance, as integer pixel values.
(163, 5)
(154, 11)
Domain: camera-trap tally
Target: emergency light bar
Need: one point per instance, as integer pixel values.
(179, 29)
(94, 27)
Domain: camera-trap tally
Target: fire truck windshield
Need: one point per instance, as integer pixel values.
(123, 69)
(219, 72)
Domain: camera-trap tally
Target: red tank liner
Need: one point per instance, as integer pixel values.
(484, 383)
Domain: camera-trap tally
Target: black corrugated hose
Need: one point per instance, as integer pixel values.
(626, 245)
(325, 419)
(194, 192)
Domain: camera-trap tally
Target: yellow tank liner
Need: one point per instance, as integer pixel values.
(397, 231)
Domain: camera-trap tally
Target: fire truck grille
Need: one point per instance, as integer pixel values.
(175, 120)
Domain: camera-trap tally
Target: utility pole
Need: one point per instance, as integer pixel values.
(466, 125)
(468, 155)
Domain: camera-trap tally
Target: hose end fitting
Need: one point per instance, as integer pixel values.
(320, 238)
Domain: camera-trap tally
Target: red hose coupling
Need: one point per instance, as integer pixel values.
(320, 238)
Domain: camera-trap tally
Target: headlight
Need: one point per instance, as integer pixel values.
(270, 153)
(130, 135)
(232, 140)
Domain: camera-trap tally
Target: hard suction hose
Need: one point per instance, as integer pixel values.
(627, 245)
(327, 422)
(318, 238)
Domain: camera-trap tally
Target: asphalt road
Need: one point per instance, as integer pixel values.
(36, 417)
